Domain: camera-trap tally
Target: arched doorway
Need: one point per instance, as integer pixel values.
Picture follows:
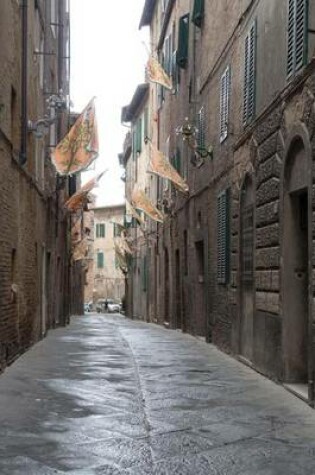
(247, 269)
(295, 273)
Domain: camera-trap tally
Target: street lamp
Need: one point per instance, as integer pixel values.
(189, 132)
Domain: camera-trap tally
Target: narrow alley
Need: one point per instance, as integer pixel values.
(111, 396)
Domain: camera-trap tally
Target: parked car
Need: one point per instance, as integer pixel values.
(88, 307)
(114, 307)
(100, 305)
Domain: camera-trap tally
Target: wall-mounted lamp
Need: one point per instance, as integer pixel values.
(58, 102)
(189, 133)
(40, 128)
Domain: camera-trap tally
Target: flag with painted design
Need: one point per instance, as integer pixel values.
(79, 148)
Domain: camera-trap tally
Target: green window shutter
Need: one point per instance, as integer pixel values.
(102, 230)
(183, 41)
(201, 129)
(198, 12)
(249, 108)
(223, 237)
(97, 230)
(134, 144)
(139, 136)
(175, 72)
(146, 123)
(177, 161)
(117, 230)
(224, 103)
(100, 260)
(297, 35)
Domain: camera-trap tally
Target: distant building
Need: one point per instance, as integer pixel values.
(104, 279)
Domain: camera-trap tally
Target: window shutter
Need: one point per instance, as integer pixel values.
(183, 37)
(134, 145)
(198, 12)
(139, 136)
(100, 260)
(297, 35)
(250, 75)
(223, 237)
(102, 230)
(146, 123)
(224, 103)
(177, 161)
(201, 128)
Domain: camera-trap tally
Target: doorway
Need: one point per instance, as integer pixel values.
(247, 269)
(178, 292)
(295, 267)
(200, 302)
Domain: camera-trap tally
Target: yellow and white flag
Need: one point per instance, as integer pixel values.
(123, 245)
(157, 74)
(80, 250)
(79, 148)
(131, 211)
(142, 202)
(78, 200)
(159, 165)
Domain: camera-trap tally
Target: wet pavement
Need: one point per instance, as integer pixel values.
(107, 396)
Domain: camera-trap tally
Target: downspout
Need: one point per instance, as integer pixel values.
(23, 144)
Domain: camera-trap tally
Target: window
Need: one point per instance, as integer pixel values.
(223, 237)
(100, 260)
(185, 253)
(139, 136)
(100, 230)
(134, 145)
(146, 124)
(250, 75)
(201, 128)
(53, 16)
(117, 230)
(224, 103)
(198, 12)
(176, 162)
(183, 41)
(297, 35)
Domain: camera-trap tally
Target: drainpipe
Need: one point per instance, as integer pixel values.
(23, 145)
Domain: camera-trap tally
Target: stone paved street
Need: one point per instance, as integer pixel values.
(111, 396)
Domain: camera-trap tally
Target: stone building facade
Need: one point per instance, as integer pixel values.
(234, 261)
(104, 279)
(35, 291)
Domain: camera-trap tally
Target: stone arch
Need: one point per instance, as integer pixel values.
(296, 267)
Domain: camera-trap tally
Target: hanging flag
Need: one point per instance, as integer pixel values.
(131, 211)
(79, 198)
(123, 245)
(80, 250)
(79, 148)
(141, 201)
(119, 228)
(160, 166)
(157, 74)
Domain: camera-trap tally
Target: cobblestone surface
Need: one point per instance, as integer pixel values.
(110, 396)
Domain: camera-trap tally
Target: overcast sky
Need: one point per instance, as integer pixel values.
(107, 61)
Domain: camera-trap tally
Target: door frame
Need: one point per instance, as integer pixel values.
(299, 132)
